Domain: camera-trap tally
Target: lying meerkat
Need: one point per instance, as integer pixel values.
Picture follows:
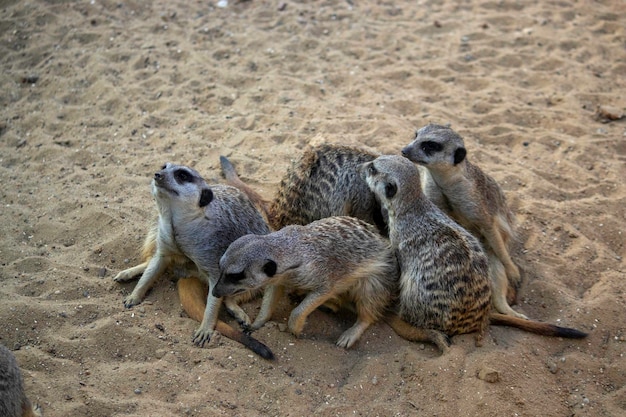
(444, 272)
(196, 224)
(13, 400)
(333, 258)
(473, 199)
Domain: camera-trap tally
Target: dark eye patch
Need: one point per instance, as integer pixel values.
(236, 277)
(429, 147)
(183, 176)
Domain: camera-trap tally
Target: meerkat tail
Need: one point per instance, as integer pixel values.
(230, 174)
(544, 329)
(415, 334)
(192, 294)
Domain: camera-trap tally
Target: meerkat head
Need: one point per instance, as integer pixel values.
(247, 264)
(436, 147)
(175, 184)
(389, 177)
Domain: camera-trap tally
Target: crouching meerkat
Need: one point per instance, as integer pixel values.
(323, 182)
(13, 399)
(196, 223)
(444, 272)
(334, 259)
(473, 199)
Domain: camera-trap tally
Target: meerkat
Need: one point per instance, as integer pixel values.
(473, 199)
(13, 400)
(323, 182)
(335, 258)
(444, 272)
(196, 223)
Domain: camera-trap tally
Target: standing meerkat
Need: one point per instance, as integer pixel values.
(323, 182)
(196, 223)
(333, 259)
(444, 284)
(473, 199)
(13, 400)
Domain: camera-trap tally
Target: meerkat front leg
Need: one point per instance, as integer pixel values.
(153, 270)
(298, 316)
(203, 334)
(272, 294)
(495, 241)
(232, 305)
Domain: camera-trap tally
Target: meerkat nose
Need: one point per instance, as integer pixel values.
(405, 152)
(157, 176)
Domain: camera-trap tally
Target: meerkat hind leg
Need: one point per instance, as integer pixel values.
(500, 286)
(350, 336)
(131, 273)
(415, 334)
(298, 316)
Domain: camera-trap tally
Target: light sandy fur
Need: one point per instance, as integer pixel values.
(196, 223)
(474, 199)
(13, 399)
(333, 259)
(444, 272)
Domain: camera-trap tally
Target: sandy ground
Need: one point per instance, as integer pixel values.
(96, 95)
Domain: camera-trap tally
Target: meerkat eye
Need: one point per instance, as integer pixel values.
(371, 169)
(429, 147)
(270, 268)
(164, 166)
(183, 176)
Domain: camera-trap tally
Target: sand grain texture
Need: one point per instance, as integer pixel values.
(96, 96)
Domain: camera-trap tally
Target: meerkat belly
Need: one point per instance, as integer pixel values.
(444, 288)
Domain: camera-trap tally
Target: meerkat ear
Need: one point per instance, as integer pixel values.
(459, 155)
(390, 190)
(206, 196)
(270, 268)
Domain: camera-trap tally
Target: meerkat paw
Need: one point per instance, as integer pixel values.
(37, 411)
(130, 273)
(350, 336)
(123, 276)
(132, 300)
(202, 336)
(295, 326)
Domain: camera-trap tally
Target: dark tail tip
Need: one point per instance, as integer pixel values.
(570, 333)
(258, 347)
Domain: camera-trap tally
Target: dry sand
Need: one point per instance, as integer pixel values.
(96, 95)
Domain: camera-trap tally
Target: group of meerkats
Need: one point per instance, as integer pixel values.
(420, 240)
